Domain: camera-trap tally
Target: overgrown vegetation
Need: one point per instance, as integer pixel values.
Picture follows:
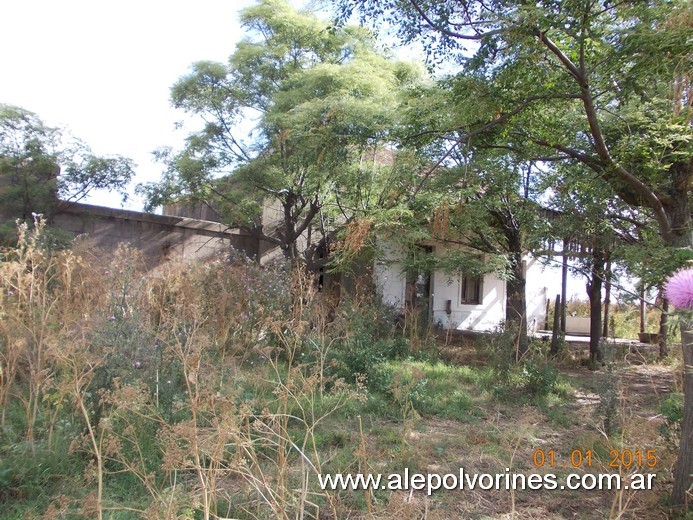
(222, 390)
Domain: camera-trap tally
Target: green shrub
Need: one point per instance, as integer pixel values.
(532, 376)
(672, 410)
(367, 339)
(539, 378)
(34, 477)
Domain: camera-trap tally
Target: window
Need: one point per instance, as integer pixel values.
(471, 290)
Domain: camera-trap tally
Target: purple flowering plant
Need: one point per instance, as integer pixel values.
(679, 289)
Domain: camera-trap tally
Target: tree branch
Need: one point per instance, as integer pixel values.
(565, 60)
(468, 135)
(447, 32)
(598, 139)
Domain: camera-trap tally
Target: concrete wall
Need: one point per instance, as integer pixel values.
(197, 212)
(390, 282)
(272, 218)
(577, 325)
(160, 238)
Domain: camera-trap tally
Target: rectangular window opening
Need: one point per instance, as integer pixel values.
(471, 293)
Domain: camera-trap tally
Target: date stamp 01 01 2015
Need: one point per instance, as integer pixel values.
(620, 459)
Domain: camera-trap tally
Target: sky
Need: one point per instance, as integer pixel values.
(104, 70)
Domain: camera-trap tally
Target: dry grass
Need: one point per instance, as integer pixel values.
(211, 391)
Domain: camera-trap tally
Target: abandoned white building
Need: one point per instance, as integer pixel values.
(456, 301)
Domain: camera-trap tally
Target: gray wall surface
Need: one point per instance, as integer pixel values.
(160, 238)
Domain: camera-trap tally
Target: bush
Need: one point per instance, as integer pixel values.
(672, 410)
(532, 376)
(367, 339)
(539, 378)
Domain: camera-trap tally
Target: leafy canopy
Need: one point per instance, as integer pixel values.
(288, 119)
(599, 83)
(41, 165)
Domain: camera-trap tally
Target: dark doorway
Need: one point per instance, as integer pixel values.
(418, 293)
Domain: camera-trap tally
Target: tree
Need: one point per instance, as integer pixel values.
(315, 101)
(595, 227)
(488, 205)
(603, 84)
(42, 170)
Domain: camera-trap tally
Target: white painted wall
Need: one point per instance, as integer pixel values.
(485, 316)
(536, 293)
(390, 281)
(388, 274)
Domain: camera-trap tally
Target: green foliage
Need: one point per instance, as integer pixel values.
(435, 389)
(28, 163)
(651, 260)
(367, 339)
(322, 100)
(38, 165)
(35, 475)
(403, 390)
(597, 93)
(532, 376)
(672, 410)
(539, 378)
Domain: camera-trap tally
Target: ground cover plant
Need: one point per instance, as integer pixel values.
(222, 390)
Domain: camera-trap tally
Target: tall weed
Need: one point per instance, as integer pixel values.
(175, 390)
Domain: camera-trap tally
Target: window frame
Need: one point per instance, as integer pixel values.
(476, 299)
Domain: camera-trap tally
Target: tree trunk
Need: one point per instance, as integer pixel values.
(607, 297)
(663, 340)
(594, 291)
(554, 333)
(516, 304)
(684, 465)
(564, 285)
(677, 206)
(680, 236)
(643, 308)
(289, 246)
